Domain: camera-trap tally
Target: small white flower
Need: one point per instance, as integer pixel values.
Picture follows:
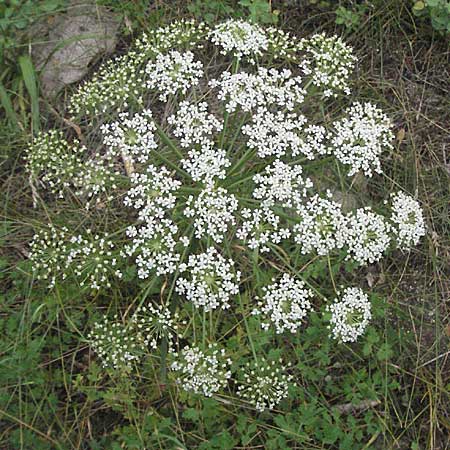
(202, 372)
(240, 38)
(211, 282)
(407, 216)
(367, 236)
(48, 254)
(206, 164)
(118, 84)
(183, 32)
(261, 227)
(114, 344)
(154, 244)
(359, 139)
(132, 136)
(265, 384)
(93, 259)
(154, 323)
(330, 63)
(152, 192)
(285, 304)
(267, 87)
(173, 72)
(350, 315)
(274, 134)
(212, 210)
(281, 185)
(322, 226)
(194, 125)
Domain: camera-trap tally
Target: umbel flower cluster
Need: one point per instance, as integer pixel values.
(218, 162)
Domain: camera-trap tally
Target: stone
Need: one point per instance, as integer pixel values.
(73, 40)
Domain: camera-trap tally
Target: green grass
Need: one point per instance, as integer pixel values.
(53, 393)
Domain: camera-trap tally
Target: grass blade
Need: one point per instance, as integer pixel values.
(29, 78)
(7, 106)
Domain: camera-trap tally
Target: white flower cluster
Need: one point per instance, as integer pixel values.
(330, 63)
(60, 167)
(55, 162)
(366, 236)
(281, 185)
(154, 243)
(282, 45)
(114, 344)
(185, 33)
(359, 138)
(407, 216)
(350, 315)
(212, 210)
(131, 137)
(48, 254)
(212, 280)
(240, 38)
(116, 86)
(261, 227)
(284, 305)
(155, 238)
(206, 164)
(265, 384)
(154, 323)
(322, 227)
(267, 87)
(202, 372)
(172, 73)
(93, 260)
(152, 192)
(274, 134)
(90, 257)
(95, 182)
(194, 125)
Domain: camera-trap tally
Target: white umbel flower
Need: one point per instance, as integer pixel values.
(281, 184)
(261, 227)
(212, 210)
(152, 192)
(330, 63)
(132, 136)
(367, 236)
(193, 125)
(359, 138)
(284, 305)
(173, 72)
(274, 134)
(322, 226)
(48, 254)
(114, 344)
(407, 216)
(201, 372)
(242, 39)
(249, 91)
(265, 384)
(212, 280)
(154, 323)
(350, 315)
(93, 258)
(154, 244)
(206, 164)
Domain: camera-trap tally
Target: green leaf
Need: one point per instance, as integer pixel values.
(7, 106)
(385, 352)
(29, 78)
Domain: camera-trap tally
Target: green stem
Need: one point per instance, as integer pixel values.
(166, 139)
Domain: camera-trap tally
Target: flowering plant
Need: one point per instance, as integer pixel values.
(219, 159)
